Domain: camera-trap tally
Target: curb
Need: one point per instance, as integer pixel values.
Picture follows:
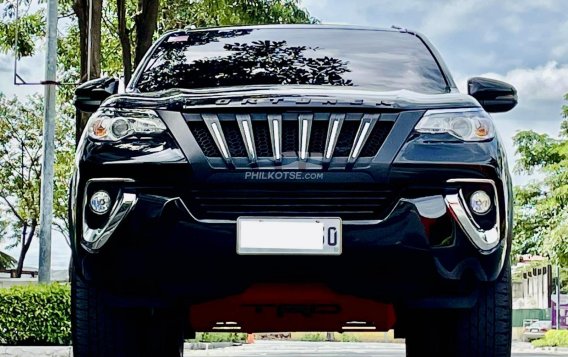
(563, 350)
(555, 350)
(67, 351)
(30, 351)
(209, 346)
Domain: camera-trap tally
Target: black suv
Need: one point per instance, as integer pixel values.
(291, 178)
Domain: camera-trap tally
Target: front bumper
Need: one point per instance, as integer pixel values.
(414, 255)
(152, 246)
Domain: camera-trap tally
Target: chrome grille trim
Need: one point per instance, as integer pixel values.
(275, 126)
(335, 123)
(365, 128)
(305, 128)
(245, 126)
(214, 126)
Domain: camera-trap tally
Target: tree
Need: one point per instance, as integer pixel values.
(260, 62)
(31, 27)
(541, 208)
(20, 170)
(6, 261)
(206, 13)
(122, 31)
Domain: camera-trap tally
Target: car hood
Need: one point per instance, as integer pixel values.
(289, 96)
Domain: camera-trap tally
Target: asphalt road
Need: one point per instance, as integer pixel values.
(279, 349)
(333, 349)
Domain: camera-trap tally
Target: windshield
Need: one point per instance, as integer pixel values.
(372, 59)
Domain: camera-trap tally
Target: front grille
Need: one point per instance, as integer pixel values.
(318, 137)
(290, 134)
(290, 137)
(346, 138)
(344, 201)
(234, 139)
(261, 138)
(376, 139)
(204, 138)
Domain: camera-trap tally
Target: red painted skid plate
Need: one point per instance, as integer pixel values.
(269, 308)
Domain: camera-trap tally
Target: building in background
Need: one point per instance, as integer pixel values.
(533, 286)
(563, 310)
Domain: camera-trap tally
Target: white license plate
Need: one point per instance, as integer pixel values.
(280, 236)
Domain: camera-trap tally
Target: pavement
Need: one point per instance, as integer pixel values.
(283, 349)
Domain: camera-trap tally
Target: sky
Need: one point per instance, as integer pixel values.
(523, 42)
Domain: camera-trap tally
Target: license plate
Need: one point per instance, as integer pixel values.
(281, 236)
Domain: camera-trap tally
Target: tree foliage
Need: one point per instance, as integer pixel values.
(259, 62)
(20, 170)
(129, 27)
(122, 32)
(29, 27)
(6, 261)
(541, 215)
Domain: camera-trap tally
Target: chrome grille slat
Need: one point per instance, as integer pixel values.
(275, 125)
(305, 129)
(365, 128)
(245, 126)
(214, 126)
(335, 123)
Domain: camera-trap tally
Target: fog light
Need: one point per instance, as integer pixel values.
(100, 202)
(480, 202)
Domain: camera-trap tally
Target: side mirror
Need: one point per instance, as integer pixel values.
(493, 95)
(90, 95)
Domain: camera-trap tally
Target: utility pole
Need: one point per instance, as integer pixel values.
(48, 157)
(557, 296)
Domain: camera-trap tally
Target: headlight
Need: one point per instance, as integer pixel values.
(464, 124)
(110, 124)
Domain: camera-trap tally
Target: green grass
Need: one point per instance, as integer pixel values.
(209, 337)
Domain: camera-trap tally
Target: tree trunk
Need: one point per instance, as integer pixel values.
(81, 9)
(27, 237)
(146, 23)
(124, 40)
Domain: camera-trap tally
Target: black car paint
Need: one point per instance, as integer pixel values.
(407, 159)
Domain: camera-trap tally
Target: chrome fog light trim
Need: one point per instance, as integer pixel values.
(484, 240)
(94, 239)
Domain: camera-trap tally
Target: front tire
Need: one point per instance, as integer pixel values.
(482, 331)
(100, 330)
